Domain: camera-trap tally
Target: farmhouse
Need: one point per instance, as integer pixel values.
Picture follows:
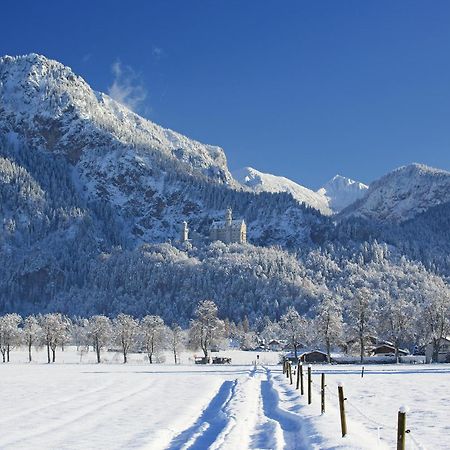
(443, 353)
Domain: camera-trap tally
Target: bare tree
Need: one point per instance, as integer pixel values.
(206, 329)
(31, 333)
(360, 313)
(328, 321)
(397, 321)
(9, 334)
(55, 331)
(99, 331)
(153, 333)
(436, 315)
(176, 340)
(80, 328)
(293, 329)
(125, 332)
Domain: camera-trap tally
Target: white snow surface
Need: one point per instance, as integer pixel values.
(336, 195)
(163, 406)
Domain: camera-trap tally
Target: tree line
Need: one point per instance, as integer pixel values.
(332, 327)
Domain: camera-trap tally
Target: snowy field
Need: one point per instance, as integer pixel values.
(162, 406)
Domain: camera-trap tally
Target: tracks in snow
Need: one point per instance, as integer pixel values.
(244, 413)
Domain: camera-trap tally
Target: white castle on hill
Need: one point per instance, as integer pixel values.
(229, 230)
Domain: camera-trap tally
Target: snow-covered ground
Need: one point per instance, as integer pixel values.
(240, 406)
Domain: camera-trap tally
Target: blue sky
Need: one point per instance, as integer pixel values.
(304, 89)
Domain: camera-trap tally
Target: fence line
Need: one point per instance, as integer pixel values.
(333, 397)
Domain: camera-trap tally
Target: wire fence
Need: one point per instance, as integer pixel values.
(356, 411)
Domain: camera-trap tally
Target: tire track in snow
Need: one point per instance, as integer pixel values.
(289, 422)
(248, 425)
(213, 420)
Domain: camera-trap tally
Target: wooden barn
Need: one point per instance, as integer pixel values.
(314, 356)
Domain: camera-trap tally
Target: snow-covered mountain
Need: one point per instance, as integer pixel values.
(92, 197)
(50, 107)
(403, 194)
(341, 192)
(149, 178)
(265, 182)
(336, 195)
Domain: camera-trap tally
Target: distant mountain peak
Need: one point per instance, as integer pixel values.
(337, 194)
(403, 193)
(342, 191)
(265, 182)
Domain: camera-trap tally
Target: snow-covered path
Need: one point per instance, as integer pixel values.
(259, 410)
(244, 414)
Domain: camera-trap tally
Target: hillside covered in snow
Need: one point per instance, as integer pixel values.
(403, 194)
(92, 198)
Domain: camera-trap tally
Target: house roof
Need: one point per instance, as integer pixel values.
(314, 351)
(390, 347)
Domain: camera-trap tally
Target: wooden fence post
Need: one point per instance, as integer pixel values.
(322, 393)
(401, 429)
(290, 373)
(309, 384)
(362, 372)
(284, 366)
(302, 390)
(342, 409)
(288, 363)
(297, 384)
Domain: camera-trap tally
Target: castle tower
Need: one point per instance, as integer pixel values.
(229, 216)
(184, 232)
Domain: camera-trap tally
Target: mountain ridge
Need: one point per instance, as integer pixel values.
(92, 198)
(334, 196)
(402, 194)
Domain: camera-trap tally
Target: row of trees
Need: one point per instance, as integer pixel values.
(55, 330)
(149, 334)
(402, 322)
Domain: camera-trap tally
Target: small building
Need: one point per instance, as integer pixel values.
(275, 345)
(229, 231)
(387, 350)
(314, 356)
(443, 354)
